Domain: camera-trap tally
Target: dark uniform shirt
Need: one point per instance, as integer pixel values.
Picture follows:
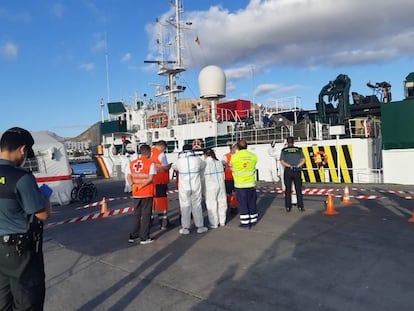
(292, 155)
(19, 198)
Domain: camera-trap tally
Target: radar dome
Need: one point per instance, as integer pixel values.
(212, 82)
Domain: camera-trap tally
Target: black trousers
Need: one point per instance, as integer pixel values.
(229, 184)
(290, 175)
(22, 279)
(142, 214)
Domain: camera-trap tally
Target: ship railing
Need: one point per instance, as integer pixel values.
(372, 176)
(303, 131)
(222, 114)
(263, 135)
(291, 103)
(364, 127)
(193, 117)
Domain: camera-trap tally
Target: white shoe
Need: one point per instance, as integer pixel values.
(147, 241)
(184, 231)
(222, 225)
(202, 230)
(213, 227)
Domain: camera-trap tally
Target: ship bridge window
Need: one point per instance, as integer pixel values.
(156, 134)
(171, 133)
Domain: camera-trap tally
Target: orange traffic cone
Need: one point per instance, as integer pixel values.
(412, 217)
(104, 207)
(346, 199)
(330, 207)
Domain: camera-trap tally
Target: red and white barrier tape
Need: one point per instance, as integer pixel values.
(119, 211)
(306, 191)
(98, 203)
(325, 191)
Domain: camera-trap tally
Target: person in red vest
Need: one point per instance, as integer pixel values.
(141, 177)
(228, 179)
(161, 181)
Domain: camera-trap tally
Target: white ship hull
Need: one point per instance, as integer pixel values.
(359, 158)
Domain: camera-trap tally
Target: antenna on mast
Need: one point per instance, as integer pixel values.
(102, 110)
(170, 68)
(107, 69)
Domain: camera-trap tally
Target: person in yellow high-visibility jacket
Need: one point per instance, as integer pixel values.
(243, 164)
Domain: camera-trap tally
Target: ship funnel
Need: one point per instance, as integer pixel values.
(409, 85)
(212, 82)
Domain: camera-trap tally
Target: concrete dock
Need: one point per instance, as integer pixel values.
(361, 259)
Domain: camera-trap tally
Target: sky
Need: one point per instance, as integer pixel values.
(60, 59)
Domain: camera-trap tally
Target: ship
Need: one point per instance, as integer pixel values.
(342, 141)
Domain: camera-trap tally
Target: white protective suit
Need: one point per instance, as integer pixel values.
(190, 168)
(215, 192)
(274, 152)
(126, 170)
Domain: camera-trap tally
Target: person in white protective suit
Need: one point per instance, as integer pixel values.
(190, 168)
(214, 189)
(126, 171)
(274, 152)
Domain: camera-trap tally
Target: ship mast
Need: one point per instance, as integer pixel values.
(170, 68)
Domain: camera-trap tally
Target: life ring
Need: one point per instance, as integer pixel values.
(196, 144)
(320, 158)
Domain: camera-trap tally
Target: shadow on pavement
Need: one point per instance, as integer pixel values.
(358, 260)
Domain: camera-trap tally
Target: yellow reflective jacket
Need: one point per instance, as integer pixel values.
(243, 164)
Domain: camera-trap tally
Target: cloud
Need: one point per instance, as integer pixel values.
(58, 9)
(99, 46)
(239, 72)
(99, 42)
(87, 66)
(126, 58)
(94, 9)
(268, 88)
(230, 87)
(8, 50)
(301, 33)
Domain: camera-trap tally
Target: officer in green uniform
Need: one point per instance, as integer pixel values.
(292, 159)
(22, 208)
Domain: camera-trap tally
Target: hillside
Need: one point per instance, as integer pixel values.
(93, 134)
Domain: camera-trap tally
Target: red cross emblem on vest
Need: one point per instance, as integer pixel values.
(138, 166)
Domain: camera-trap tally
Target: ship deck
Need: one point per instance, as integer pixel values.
(359, 259)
